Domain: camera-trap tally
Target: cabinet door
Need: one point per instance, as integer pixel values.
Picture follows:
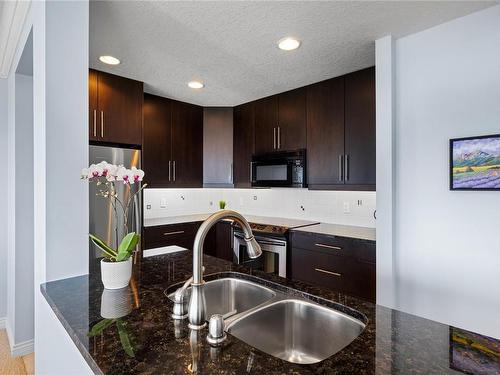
(292, 120)
(325, 133)
(266, 124)
(187, 145)
(157, 141)
(360, 127)
(224, 241)
(93, 114)
(243, 144)
(120, 109)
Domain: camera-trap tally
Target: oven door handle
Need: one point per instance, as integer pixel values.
(260, 240)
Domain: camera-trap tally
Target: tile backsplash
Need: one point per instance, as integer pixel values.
(339, 207)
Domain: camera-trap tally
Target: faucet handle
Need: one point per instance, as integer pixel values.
(216, 334)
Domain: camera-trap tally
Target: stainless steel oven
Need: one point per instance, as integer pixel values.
(273, 258)
(279, 169)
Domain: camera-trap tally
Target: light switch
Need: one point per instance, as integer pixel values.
(163, 203)
(347, 208)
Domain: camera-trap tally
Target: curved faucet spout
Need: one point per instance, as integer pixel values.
(197, 302)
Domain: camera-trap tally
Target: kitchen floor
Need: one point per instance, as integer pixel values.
(24, 365)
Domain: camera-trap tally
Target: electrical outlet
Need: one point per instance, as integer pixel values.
(254, 197)
(148, 207)
(163, 203)
(347, 208)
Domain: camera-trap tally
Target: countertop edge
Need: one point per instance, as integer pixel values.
(71, 333)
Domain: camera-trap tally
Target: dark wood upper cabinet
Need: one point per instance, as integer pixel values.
(157, 140)
(187, 144)
(243, 144)
(325, 133)
(291, 132)
(93, 105)
(116, 109)
(266, 124)
(173, 143)
(280, 122)
(360, 127)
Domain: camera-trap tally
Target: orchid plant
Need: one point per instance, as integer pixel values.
(105, 176)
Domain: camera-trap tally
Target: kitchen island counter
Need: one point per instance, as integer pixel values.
(140, 337)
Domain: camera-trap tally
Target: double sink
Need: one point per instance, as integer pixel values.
(294, 329)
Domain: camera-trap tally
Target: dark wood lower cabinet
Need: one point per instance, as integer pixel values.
(218, 241)
(342, 264)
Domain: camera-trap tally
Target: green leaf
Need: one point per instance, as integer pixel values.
(108, 251)
(100, 327)
(124, 339)
(127, 246)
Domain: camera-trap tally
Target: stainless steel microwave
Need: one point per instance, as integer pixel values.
(279, 169)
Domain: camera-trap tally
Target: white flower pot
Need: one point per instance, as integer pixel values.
(116, 303)
(116, 275)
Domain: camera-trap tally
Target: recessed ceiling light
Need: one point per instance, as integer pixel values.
(110, 60)
(196, 84)
(288, 44)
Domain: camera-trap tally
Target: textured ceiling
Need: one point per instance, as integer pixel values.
(231, 46)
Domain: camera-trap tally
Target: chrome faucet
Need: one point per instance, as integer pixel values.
(197, 304)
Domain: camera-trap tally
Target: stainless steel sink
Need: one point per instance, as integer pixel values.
(231, 296)
(296, 330)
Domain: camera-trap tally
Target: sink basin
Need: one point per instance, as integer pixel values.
(297, 331)
(230, 296)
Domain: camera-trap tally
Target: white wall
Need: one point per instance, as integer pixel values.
(324, 206)
(446, 254)
(3, 201)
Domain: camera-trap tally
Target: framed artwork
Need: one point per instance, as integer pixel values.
(475, 163)
(472, 353)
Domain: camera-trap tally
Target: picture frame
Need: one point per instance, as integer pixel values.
(474, 163)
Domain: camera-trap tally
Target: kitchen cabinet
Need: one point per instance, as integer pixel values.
(218, 242)
(360, 128)
(343, 264)
(187, 145)
(325, 133)
(157, 140)
(181, 234)
(341, 132)
(243, 144)
(280, 122)
(115, 106)
(218, 147)
(266, 123)
(173, 143)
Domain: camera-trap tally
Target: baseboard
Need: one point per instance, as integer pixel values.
(2, 323)
(23, 348)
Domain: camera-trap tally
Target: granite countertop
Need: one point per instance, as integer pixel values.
(350, 231)
(146, 340)
(280, 221)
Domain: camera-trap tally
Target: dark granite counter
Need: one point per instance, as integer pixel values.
(140, 337)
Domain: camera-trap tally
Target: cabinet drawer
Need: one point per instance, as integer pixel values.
(320, 268)
(339, 246)
(167, 235)
(340, 273)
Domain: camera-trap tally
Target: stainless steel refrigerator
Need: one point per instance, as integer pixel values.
(102, 217)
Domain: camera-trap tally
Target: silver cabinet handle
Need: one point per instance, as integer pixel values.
(173, 170)
(328, 246)
(279, 137)
(346, 167)
(169, 169)
(102, 124)
(172, 233)
(328, 272)
(341, 168)
(274, 138)
(95, 123)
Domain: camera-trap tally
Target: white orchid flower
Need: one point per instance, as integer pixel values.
(95, 171)
(123, 174)
(137, 174)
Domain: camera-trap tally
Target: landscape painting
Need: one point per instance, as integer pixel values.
(475, 163)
